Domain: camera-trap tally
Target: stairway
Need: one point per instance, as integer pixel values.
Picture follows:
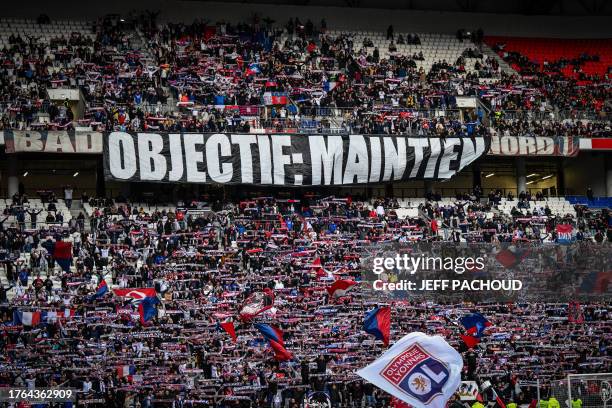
(503, 65)
(139, 42)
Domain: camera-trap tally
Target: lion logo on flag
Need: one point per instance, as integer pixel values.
(417, 373)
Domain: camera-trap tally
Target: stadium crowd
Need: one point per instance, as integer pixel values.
(224, 77)
(266, 260)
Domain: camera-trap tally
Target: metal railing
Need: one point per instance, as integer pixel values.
(554, 115)
(340, 112)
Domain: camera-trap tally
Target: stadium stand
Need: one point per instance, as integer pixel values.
(591, 58)
(159, 83)
(67, 312)
(174, 362)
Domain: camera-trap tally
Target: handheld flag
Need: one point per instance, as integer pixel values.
(26, 318)
(340, 288)
(145, 298)
(275, 337)
(229, 328)
(257, 303)
(147, 308)
(423, 371)
(470, 341)
(378, 323)
(486, 386)
(135, 293)
(320, 272)
(511, 256)
(101, 290)
(126, 371)
(565, 233)
(475, 324)
(62, 253)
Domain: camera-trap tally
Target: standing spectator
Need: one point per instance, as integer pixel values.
(3, 290)
(68, 196)
(589, 193)
(23, 277)
(33, 216)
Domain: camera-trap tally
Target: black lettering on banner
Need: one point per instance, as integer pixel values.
(285, 159)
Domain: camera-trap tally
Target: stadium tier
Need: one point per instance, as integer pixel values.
(171, 76)
(290, 211)
(573, 58)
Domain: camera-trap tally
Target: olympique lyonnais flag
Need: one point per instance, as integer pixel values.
(256, 304)
(62, 253)
(564, 233)
(423, 371)
(26, 318)
(229, 328)
(101, 290)
(135, 293)
(147, 308)
(275, 337)
(125, 371)
(378, 323)
(475, 325)
(340, 288)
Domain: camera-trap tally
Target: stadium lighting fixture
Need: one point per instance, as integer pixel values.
(547, 177)
(489, 175)
(75, 174)
(25, 174)
(532, 175)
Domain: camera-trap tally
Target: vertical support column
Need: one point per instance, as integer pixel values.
(427, 187)
(100, 183)
(13, 178)
(560, 179)
(389, 190)
(608, 165)
(476, 176)
(126, 190)
(521, 175)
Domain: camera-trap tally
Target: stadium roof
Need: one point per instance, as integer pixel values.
(524, 7)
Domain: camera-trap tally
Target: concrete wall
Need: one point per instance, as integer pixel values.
(345, 18)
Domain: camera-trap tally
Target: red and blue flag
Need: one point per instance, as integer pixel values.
(378, 323)
(62, 253)
(274, 335)
(101, 290)
(475, 325)
(147, 308)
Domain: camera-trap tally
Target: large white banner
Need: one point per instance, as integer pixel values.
(285, 160)
(423, 371)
